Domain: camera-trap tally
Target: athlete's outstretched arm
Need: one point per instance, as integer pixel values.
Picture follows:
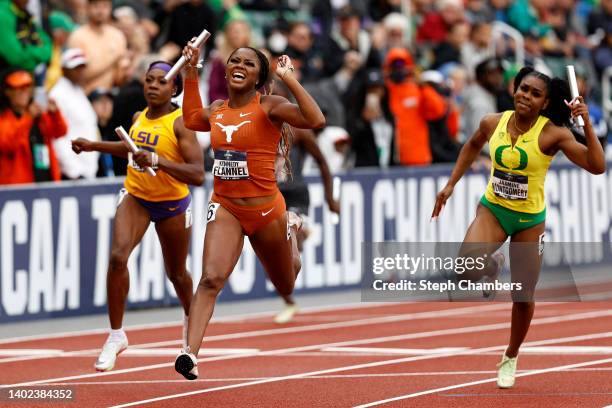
(468, 154)
(590, 157)
(117, 149)
(84, 145)
(196, 117)
(189, 172)
(306, 114)
(307, 139)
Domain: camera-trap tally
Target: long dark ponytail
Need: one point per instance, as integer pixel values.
(557, 91)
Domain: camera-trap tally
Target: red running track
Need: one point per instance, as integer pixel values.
(399, 355)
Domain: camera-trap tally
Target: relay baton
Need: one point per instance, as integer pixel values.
(129, 143)
(571, 76)
(204, 35)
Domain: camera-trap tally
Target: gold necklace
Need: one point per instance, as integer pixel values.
(518, 128)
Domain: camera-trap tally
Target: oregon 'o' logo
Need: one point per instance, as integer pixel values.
(523, 159)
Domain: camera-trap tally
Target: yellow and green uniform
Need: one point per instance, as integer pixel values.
(515, 193)
(155, 135)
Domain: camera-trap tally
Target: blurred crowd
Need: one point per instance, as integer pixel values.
(401, 82)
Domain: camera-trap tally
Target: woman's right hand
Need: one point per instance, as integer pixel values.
(191, 54)
(82, 145)
(441, 200)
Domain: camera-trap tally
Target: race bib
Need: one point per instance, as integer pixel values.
(230, 165)
(509, 186)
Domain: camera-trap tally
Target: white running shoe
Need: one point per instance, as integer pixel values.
(506, 371)
(287, 314)
(186, 364)
(111, 349)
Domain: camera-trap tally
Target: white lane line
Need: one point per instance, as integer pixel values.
(345, 368)
(405, 351)
(223, 319)
(567, 350)
(417, 335)
(296, 329)
(30, 352)
(488, 380)
(321, 377)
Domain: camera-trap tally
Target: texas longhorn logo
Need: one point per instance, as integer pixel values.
(230, 129)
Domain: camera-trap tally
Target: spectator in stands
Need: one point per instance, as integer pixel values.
(138, 40)
(381, 9)
(80, 115)
(23, 43)
(102, 102)
(500, 9)
(528, 16)
(300, 45)
(436, 23)
(450, 49)
(349, 36)
(396, 27)
(324, 12)
(129, 99)
(602, 54)
(478, 48)
(60, 25)
(599, 17)
(186, 20)
(370, 123)
(26, 132)
(104, 46)
(480, 97)
(444, 148)
(236, 34)
(412, 106)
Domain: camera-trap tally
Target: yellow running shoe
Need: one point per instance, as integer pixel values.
(506, 371)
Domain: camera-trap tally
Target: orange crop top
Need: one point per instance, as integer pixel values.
(244, 141)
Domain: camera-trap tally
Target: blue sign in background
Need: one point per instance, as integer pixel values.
(44, 228)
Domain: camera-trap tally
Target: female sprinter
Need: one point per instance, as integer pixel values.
(522, 144)
(245, 136)
(173, 151)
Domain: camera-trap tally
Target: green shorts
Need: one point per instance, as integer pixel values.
(513, 221)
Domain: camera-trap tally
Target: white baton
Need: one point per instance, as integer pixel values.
(129, 143)
(202, 38)
(571, 76)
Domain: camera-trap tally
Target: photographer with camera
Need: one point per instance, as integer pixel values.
(413, 105)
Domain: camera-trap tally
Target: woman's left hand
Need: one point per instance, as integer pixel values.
(284, 65)
(143, 158)
(578, 108)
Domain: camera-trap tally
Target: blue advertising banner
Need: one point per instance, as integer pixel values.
(55, 239)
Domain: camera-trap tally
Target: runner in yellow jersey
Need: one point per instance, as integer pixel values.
(173, 151)
(522, 144)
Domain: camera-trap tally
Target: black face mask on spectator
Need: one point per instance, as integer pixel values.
(399, 72)
(398, 76)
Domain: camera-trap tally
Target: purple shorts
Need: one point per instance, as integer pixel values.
(160, 210)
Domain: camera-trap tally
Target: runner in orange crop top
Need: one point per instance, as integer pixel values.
(245, 136)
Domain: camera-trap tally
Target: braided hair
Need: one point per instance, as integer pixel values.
(557, 90)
